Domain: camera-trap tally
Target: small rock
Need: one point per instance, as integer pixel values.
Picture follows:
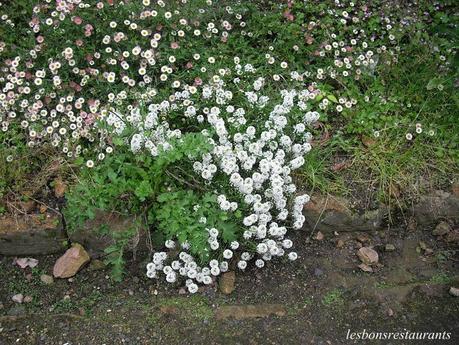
(319, 236)
(368, 256)
(71, 262)
(227, 282)
(454, 291)
(1, 306)
(339, 244)
(363, 238)
(441, 229)
(27, 262)
(182, 291)
(18, 298)
(46, 279)
(27, 299)
(365, 267)
(390, 312)
(131, 292)
(43, 209)
(389, 247)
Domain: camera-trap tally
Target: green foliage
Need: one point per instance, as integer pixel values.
(130, 184)
(186, 215)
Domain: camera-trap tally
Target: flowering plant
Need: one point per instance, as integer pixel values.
(184, 119)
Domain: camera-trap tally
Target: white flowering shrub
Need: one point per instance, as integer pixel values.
(178, 113)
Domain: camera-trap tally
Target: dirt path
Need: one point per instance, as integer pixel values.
(317, 299)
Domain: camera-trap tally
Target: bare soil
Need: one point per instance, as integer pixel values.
(315, 299)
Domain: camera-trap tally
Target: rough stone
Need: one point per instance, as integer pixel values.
(18, 298)
(95, 242)
(365, 267)
(368, 256)
(328, 214)
(46, 279)
(227, 282)
(441, 229)
(240, 312)
(437, 205)
(71, 262)
(33, 234)
(454, 291)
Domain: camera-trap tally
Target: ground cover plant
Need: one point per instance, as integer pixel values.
(211, 120)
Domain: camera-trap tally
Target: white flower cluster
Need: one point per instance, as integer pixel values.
(255, 155)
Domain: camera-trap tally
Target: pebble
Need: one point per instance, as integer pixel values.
(18, 298)
(319, 236)
(46, 279)
(454, 291)
(28, 299)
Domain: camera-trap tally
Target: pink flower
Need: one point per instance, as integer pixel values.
(77, 20)
(289, 16)
(197, 81)
(40, 39)
(79, 43)
(189, 65)
(175, 45)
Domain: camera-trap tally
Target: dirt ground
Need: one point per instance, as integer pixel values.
(317, 299)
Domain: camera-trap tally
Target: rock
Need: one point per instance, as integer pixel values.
(390, 312)
(34, 234)
(319, 236)
(227, 282)
(27, 299)
(437, 205)
(95, 242)
(363, 238)
(96, 265)
(182, 291)
(368, 256)
(71, 262)
(18, 298)
(339, 244)
(59, 187)
(332, 213)
(454, 291)
(26, 262)
(46, 279)
(441, 229)
(389, 247)
(365, 267)
(240, 312)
